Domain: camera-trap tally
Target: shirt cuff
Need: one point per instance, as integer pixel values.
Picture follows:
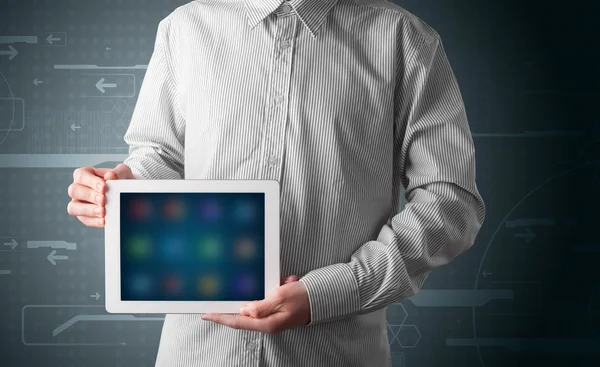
(332, 292)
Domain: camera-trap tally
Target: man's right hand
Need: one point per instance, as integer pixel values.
(87, 192)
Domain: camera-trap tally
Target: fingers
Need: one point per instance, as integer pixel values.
(120, 172)
(90, 177)
(263, 308)
(91, 221)
(85, 194)
(291, 278)
(80, 208)
(268, 326)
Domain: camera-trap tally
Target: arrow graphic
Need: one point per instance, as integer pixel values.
(11, 51)
(13, 244)
(486, 273)
(74, 127)
(101, 85)
(528, 234)
(51, 39)
(53, 257)
(96, 296)
(37, 82)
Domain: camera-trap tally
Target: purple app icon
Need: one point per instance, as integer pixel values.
(210, 209)
(245, 284)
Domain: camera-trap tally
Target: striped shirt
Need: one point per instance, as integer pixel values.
(352, 106)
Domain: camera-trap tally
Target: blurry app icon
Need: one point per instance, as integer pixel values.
(139, 246)
(245, 211)
(211, 210)
(209, 284)
(210, 247)
(245, 284)
(172, 284)
(173, 209)
(173, 248)
(139, 208)
(245, 248)
(141, 283)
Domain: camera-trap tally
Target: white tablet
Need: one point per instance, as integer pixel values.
(190, 246)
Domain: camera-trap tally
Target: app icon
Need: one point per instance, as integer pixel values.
(141, 284)
(173, 248)
(139, 208)
(210, 247)
(245, 284)
(139, 246)
(173, 209)
(245, 211)
(210, 210)
(245, 248)
(172, 284)
(209, 284)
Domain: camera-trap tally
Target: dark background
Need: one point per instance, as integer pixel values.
(527, 293)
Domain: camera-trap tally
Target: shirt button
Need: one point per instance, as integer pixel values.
(278, 99)
(272, 160)
(284, 44)
(251, 345)
(286, 8)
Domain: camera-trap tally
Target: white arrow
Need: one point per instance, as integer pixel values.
(51, 39)
(96, 296)
(101, 85)
(11, 51)
(74, 127)
(53, 257)
(37, 82)
(13, 244)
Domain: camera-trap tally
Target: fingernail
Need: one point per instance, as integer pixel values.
(99, 186)
(97, 210)
(98, 199)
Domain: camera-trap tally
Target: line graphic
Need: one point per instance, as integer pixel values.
(458, 297)
(79, 318)
(531, 134)
(57, 160)
(19, 39)
(52, 244)
(97, 67)
(545, 345)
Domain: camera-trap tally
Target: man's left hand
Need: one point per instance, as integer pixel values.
(285, 308)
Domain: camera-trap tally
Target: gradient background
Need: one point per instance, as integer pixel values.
(527, 293)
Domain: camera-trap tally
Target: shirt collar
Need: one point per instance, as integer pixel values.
(311, 12)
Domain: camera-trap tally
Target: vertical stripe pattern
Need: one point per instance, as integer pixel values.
(345, 103)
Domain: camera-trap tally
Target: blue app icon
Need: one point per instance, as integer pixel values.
(173, 248)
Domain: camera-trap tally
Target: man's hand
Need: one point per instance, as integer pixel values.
(87, 192)
(285, 308)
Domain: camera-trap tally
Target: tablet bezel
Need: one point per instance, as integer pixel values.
(114, 304)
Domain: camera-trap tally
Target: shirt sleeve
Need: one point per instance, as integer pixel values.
(156, 132)
(434, 160)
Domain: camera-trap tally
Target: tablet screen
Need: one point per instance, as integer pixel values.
(192, 246)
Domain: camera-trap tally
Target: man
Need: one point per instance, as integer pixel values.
(344, 102)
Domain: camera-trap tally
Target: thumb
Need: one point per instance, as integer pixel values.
(120, 172)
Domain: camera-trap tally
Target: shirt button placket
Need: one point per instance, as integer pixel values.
(277, 108)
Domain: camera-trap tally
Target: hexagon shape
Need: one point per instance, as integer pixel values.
(107, 106)
(121, 106)
(396, 314)
(408, 336)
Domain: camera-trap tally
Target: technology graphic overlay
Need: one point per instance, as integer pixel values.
(192, 246)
